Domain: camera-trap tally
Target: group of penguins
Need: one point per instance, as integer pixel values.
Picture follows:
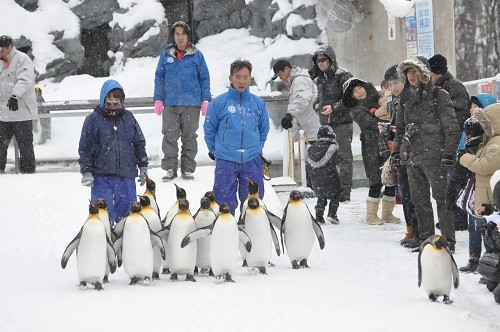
(185, 244)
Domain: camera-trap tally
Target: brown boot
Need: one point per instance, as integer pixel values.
(371, 211)
(388, 204)
(410, 234)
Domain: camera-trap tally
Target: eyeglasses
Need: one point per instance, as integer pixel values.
(241, 78)
(321, 60)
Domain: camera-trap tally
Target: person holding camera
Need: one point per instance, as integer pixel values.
(427, 134)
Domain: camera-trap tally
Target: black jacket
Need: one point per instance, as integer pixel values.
(322, 159)
(458, 94)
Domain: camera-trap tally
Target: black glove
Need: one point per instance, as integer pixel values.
(286, 122)
(447, 161)
(396, 160)
(12, 104)
(211, 155)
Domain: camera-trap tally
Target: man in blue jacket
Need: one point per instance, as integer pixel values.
(236, 128)
(111, 148)
(182, 85)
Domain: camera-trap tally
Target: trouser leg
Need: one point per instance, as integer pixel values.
(420, 195)
(408, 207)
(189, 122)
(6, 134)
(343, 134)
(23, 131)
(171, 130)
(226, 183)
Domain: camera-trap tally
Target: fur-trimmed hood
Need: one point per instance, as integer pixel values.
(409, 63)
(489, 118)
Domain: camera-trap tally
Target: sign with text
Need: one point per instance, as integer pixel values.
(425, 28)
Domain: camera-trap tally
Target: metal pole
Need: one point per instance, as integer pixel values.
(302, 159)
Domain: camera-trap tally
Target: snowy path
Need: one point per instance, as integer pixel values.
(362, 280)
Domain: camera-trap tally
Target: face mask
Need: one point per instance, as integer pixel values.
(112, 109)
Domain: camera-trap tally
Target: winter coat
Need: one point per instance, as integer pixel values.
(236, 126)
(183, 82)
(321, 162)
(430, 109)
(487, 158)
(458, 94)
(111, 145)
(18, 80)
(302, 94)
(368, 123)
(330, 85)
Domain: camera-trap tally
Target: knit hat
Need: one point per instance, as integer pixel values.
(438, 64)
(326, 132)
(5, 41)
(391, 73)
(279, 66)
(483, 100)
(472, 127)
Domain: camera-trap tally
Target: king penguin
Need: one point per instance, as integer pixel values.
(437, 268)
(225, 235)
(94, 251)
(135, 246)
(151, 193)
(153, 220)
(260, 230)
(213, 204)
(182, 260)
(298, 228)
(104, 216)
(203, 217)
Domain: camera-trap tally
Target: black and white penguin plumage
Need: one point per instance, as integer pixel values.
(151, 193)
(203, 217)
(135, 246)
(437, 268)
(154, 223)
(213, 204)
(298, 229)
(93, 249)
(104, 216)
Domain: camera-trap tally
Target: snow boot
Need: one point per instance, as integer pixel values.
(332, 214)
(474, 255)
(415, 243)
(371, 211)
(410, 234)
(320, 211)
(388, 204)
(496, 294)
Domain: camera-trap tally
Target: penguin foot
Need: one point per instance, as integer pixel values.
(190, 277)
(432, 297)
(303, 263)
(211, 273)
(196, 270)
(146, 281)
(446, 300)
(155, 276)
(244, 263)
(228, 278)
(204, 271)
(105, 280)
(295, 265)
(98, 286)
(262, 270)
(174, 277)
(165, 271)
(83, 285)
(134, 280)
(270, 264)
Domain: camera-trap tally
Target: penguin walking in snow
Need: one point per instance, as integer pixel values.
(298, 228)
(437, 268)
(260, 230)
(182, 260)
(93, 249)
(174, 209)
(104, 216)
(151, 193)
(154, 223)
(135, 246)
(205, 216)
(225, 235)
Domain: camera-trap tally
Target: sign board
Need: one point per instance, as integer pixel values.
(485, 87)
(425, 28)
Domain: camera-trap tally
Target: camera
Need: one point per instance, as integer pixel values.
(411, 130)
(386, 128)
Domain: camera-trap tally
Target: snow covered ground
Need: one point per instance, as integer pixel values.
(362, 281)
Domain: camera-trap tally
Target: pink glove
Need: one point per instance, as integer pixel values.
(204, 106)
(158, 107)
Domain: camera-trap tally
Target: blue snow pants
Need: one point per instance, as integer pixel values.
(231, 177)
(119, 193)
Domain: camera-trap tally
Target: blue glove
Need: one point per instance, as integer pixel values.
(88, 179)
(143, 172)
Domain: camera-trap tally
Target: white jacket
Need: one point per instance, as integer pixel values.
(19, 80)
(302, 94)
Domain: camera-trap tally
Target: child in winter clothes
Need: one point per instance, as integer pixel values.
(112, 147)
(362, 99)
(322, 159)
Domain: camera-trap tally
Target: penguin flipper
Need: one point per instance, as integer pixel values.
(420, 267)
(117, 245)
(274, 219)
(70, 248)
(319, 233)
(118, 229)
(111, 255)
(282, 232)
(157, 241)
(163, 233)
(454, 271)
(197, 234)
(245, 239)
(275, 239)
